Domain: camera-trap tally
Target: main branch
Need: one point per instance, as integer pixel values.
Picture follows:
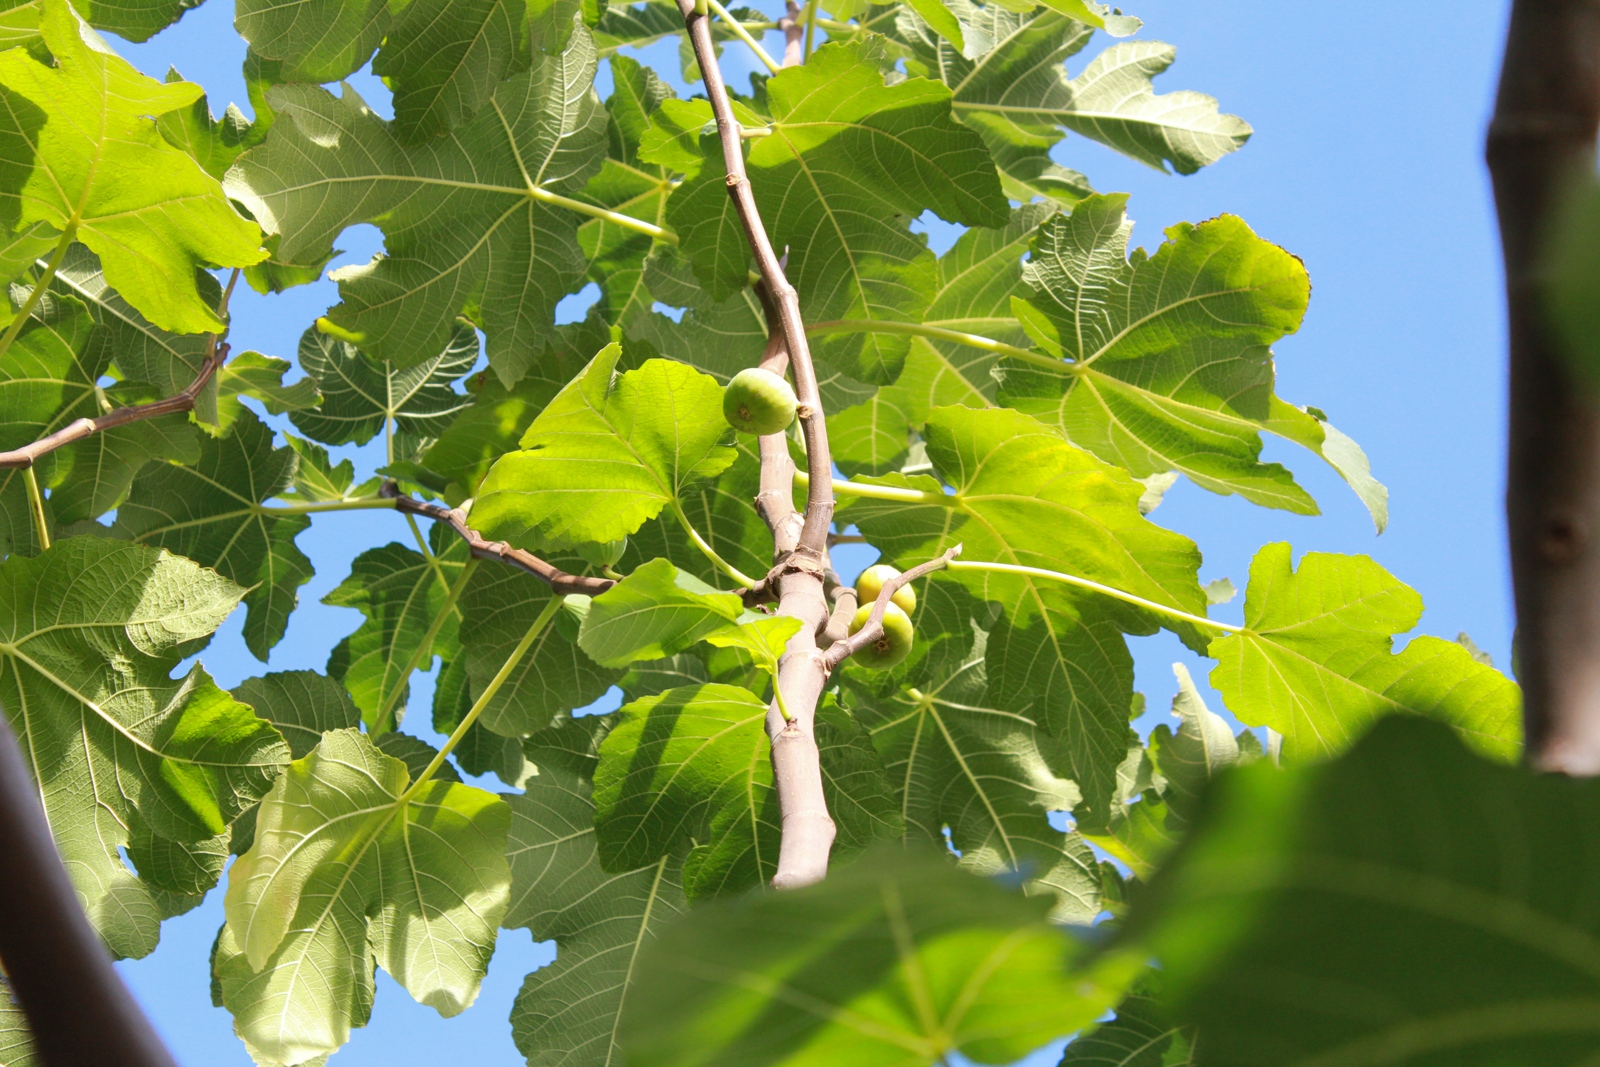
(802, 558)
(1541, 142)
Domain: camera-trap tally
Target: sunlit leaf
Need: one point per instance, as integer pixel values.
(1315, 661)
(606, 455)
(350, 868)
(79, 150)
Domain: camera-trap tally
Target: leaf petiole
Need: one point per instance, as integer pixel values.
(314, 507)
(381, 720)
(488, 694)
(1093, 586)
(710, 553)
(627, 222)
(36, 507)
(894, 493)
(39, 287)
(744, 35)
(939, 333)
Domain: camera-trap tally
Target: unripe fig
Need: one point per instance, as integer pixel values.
(872, 581)
(759, 402)
(604, 554)
(893, 646)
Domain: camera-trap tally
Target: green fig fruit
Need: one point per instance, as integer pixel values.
(890, 648)
(759, 402)
(603, 554)
(872, 581)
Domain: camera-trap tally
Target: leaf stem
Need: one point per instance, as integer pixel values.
(1093, 586)
(939, 333)
(895, 493)
(39, 287)
(487, 695)
(744, 35)
(427, 553)
(314, 507)
(710, 553)
(36, 507)
(811, 28)
(381, 719)
(627, 222)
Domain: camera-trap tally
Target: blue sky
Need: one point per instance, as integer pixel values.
(1366, 162)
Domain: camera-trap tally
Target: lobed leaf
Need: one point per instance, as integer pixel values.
(212, 513)
(497, 608)
(1168, 365)
(90, 632)
(349, 869)
(400, 592)
(1315, 660)
(606, 455)
(567, 1012)
(465, 228)
(363, 396)
(899, 958)
(964, 765)
(80, 154)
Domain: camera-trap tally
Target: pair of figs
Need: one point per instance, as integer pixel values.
(894, 644)
(758, 401)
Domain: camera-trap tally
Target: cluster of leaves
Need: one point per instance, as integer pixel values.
(1028, 394)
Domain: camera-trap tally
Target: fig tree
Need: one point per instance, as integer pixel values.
(759, 402)
(872, 581)
(892, 646)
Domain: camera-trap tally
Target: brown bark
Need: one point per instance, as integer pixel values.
(801, 555)
(1541, 139)
(77, 1007)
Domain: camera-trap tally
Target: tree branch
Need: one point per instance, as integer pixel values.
(78, 1009)
(1542, 138)
(216, 355)
(801, 557)
(842, 650)
(548, 573)
(29, 454)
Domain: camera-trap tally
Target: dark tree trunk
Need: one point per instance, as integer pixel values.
(1541, 140)
(78, 1008)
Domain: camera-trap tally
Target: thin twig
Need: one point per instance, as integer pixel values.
(29, 454)
(216, 355)
(481, 548)
(872, 629)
